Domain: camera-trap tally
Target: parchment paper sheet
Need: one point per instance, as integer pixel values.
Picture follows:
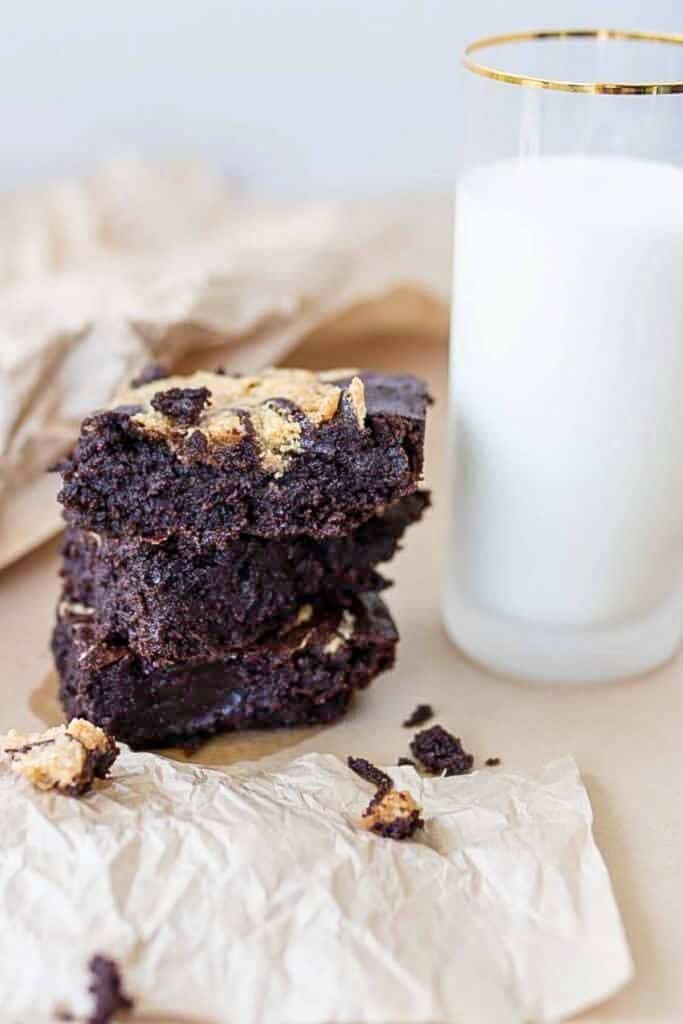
(251, 895)
(143, 262)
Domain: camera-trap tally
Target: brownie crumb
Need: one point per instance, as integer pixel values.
(422, 713)
(183, 405)
(406, 761)
(66, 758)
(108, 995)
(148, 374)
(439, 751)
(370, 773)
(392, 813)
(492, 762)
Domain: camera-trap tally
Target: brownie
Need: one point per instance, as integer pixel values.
(283, 453)
(174, 600)
(304, 675)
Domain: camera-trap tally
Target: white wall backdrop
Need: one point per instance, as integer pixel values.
(294, 96)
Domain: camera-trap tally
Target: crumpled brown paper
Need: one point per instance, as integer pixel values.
(252, 895)
(144, 262)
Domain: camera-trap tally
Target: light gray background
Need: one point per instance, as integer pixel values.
(295, 97)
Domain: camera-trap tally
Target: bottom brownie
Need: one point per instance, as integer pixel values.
(303, 676)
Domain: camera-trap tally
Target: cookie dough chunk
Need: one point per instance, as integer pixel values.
(275, 454)
(392, 813)
(66, 758)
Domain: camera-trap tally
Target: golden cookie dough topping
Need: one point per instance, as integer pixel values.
(66, 758)
(305, 614)
(343, 633)
(339, 373)
(392, 813)
(75, 608)
(357, 400)
(269, 405)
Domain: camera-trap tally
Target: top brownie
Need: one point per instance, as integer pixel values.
(215, 455)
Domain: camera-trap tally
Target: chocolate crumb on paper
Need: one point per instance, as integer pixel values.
(182, 405)
(492, 762)
(66, 758)
(107, 991)
(393, 814)
(440, 751)
(422, 713)
(370, 773)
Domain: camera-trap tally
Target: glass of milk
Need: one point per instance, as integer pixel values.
(565, 551)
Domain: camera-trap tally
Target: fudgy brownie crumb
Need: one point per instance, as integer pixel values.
(492, 762)
(183, 405)
(392, 813)
(370, 773)
(106, 988)
(405, 762)
(422, 713)
(148, 374)
(439, 751)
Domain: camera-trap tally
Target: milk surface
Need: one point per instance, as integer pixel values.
(567, 390)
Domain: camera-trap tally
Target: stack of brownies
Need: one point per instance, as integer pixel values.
(220, 558)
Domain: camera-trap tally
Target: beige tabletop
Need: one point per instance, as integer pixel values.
(626, 738)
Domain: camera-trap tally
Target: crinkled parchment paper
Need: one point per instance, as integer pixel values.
(144, 262)
(251, 895)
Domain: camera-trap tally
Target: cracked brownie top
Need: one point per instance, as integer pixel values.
(271, 407)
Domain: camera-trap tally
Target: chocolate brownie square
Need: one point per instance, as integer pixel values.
(177, 600)
(304, 675)
(216, 456)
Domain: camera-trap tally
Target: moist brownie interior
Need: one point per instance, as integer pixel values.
(305, 675)
(178, 600)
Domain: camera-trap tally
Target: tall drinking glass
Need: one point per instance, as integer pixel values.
(566, 533)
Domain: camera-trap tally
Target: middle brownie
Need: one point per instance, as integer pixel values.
(175, 600)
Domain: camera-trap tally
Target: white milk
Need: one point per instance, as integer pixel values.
(567, 390)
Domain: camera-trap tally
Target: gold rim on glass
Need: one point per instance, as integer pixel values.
(606, 88)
